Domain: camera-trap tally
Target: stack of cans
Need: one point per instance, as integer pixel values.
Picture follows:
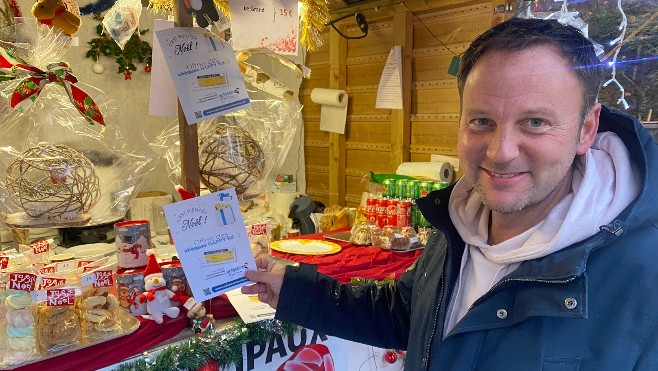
(397, 204)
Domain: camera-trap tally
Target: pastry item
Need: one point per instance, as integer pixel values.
(58, 327)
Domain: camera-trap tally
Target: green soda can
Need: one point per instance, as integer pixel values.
(438, 185)
(425, 187)
(422, 222)
(389, 188)
(413, 190)
(401, 186)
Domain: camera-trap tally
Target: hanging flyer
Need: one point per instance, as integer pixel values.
(277, 20)
(212, 243)
(205, 72)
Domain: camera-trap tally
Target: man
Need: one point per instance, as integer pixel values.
(543, 255)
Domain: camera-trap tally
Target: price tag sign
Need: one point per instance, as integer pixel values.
(60, 297)
(4, 262)
(104, 279)
(88, 279)
(277, 20)
(47, 282)
(22, 281)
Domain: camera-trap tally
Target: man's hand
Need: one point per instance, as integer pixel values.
(268, 280)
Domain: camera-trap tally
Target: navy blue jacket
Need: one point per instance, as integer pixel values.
(590, 306)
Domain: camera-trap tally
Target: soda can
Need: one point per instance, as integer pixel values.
(424, 187)
(404, 213)
(413, 190)
(389, 188)
(380, 216)
(422, 222)
(391, 212)
(401, 185)
(371, 208)
(438, 185)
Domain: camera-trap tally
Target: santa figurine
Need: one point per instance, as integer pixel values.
(156, 296)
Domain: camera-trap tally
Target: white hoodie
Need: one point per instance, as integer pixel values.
(604, 183)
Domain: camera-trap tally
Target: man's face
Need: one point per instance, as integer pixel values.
(518, 133)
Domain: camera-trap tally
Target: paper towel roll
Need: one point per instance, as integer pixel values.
(333, 112)
(281, 201)
(437, 171)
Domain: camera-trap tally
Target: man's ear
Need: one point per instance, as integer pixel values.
(589, 129)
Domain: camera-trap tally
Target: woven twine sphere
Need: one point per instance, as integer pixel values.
(230, 157)
(53, 181)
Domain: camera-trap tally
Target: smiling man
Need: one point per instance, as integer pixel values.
(543, 255)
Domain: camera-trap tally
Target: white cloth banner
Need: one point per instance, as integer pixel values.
(311, 350)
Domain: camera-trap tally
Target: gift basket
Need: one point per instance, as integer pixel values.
(241, 150)
(64, 160)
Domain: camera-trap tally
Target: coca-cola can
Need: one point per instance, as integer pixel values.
(371, 209)
(391, 212)
(380, 216)
(404, 214)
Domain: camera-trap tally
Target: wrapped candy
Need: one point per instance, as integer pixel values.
(122, 20)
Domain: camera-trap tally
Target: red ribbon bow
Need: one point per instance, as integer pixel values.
(27, 91)
(150, 295)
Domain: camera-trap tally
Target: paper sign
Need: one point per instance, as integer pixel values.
(277, 20)
(211, 242)
(205, 72)
(249, 307)
(163, 101)
(389, 93)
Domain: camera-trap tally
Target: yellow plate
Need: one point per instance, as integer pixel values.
(305, 247)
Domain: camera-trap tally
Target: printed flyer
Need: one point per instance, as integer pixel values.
(205, 72)
(212, 243)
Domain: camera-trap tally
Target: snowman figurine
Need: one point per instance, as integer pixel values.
(156, 295)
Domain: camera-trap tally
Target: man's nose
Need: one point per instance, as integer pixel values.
(503, 145)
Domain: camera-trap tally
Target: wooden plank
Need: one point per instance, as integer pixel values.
(379, 40)
(363, 103)
(337, 80)
(188, 134)
(459, 28)
(435, 101)
(434, 134)
(318, 181)
(317, 156)
(365, 74)
(401, 119)
(360, 162)
(368, 132)
(312, 132)
(432, 67)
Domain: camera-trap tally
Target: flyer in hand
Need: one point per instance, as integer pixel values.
(212, 243)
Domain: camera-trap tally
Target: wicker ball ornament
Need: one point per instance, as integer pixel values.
(53, 182)
(229, 157)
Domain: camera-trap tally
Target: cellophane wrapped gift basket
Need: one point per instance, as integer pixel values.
(64, 158)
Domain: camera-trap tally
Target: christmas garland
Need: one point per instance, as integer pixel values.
(222, 347)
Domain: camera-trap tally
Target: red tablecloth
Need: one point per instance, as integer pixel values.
(356, 261)
(351, 261)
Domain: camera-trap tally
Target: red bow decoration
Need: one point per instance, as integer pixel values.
(150, 295)
(27, 91)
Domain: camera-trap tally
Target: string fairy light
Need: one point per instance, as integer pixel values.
(613, 63)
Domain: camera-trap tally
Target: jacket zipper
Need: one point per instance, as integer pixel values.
(436, 321)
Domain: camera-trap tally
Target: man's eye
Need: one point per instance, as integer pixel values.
(480, 122)
(536, 123)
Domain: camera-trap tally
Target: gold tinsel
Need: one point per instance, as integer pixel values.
(313, 15)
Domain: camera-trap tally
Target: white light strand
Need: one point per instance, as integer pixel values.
(613, 63)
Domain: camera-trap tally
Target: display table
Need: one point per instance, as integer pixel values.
(352, 261)
(356, 261)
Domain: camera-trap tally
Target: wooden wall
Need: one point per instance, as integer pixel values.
(380, 139)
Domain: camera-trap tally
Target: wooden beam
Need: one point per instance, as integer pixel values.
(403, 24)
(337, 80)
(188, 134)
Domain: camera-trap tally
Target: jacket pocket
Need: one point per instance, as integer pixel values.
(561, 364)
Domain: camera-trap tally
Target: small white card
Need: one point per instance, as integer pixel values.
(205, 72)
(249, 307)
(277, 25)
(212, 243)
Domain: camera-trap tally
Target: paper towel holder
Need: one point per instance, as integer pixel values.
(300, 213)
